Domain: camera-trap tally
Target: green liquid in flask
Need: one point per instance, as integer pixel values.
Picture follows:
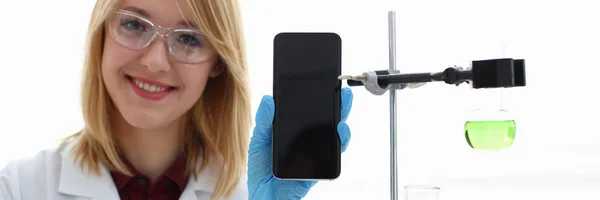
(490, 135)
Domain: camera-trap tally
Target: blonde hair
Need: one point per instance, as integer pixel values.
(218, 124)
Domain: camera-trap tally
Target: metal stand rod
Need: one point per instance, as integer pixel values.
(393, 138)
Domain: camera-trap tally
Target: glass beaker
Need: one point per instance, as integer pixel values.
(490, 127)
(421, 192)
(490, 130)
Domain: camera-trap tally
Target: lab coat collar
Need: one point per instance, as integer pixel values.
(80, 182)
(203, 186)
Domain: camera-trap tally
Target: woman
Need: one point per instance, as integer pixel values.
(166, 106)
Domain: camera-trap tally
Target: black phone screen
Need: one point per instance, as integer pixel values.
(306, 143)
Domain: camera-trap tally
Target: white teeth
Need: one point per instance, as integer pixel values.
(148, 87)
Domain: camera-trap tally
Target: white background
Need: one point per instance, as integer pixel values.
(555, 155)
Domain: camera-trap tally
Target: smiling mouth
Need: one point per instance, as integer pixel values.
(149, 87)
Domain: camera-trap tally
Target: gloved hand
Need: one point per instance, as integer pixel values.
(261, 183)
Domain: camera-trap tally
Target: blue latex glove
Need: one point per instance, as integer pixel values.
(262, 184)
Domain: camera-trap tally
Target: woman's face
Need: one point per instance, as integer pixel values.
(155, 77)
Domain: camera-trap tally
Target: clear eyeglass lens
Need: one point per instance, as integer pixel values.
(131, 31)
(189, 46)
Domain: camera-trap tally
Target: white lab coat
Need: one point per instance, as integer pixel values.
(53, 175)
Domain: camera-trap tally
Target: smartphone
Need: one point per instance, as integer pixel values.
(306, 92)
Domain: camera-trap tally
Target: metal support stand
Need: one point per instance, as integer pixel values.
(393, 108)
(493, 73)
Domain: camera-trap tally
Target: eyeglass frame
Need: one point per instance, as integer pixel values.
(157, 27)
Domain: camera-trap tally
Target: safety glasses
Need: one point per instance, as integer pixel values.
(136, 32)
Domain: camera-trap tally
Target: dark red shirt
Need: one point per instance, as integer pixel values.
(169, 186)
